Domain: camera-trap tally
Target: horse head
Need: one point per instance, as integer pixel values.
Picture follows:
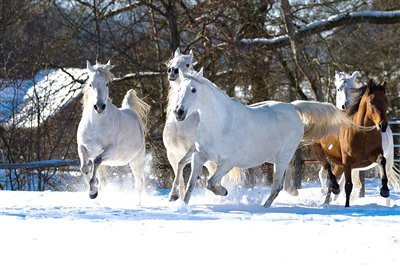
(377, 103)
(179, 63)
(189, 94)
(343, 83)
(97, 86)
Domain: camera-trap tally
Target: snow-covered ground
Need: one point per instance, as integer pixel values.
(67, 228)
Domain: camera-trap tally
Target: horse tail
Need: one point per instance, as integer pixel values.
(133, 102)
(393, 177)
(322, 120)
(235, 178)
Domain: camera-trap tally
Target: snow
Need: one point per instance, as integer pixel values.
(48, 95)
(67, 228)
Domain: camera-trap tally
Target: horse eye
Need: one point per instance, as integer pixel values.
(187, 65)
(193, 90)
(107, 84)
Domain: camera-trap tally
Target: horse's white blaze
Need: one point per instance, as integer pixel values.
(114, 137)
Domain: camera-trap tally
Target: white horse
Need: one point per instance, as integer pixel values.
(179, 136)
(234, 135)
(344, 84)
(108, 135)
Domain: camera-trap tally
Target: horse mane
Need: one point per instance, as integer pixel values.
(212, 85)
(356, 95)
(102, 70)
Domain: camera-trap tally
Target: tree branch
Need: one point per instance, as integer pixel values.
(373, 17)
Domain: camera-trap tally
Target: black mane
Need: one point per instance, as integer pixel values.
(357, 93)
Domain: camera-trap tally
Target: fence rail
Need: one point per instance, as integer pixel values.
(39, 164)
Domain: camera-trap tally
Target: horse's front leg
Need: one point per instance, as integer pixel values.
(105, 155)
(382, 164)
(196, 165)
(214, 183)
(348, 186)
(85, 164)
(94, 182)
(178, 179)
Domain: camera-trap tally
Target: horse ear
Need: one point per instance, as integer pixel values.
(370, 83)
(108, 65)
(89, 66)
(201, 73)
(384, 84)
(354, 76)
(177, 52)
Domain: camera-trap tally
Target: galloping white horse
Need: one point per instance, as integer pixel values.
(179, 136)
(234, 135)
(344, 84)
(108, 135)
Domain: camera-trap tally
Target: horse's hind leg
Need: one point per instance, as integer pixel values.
(101, 170)
(333, 187)
(322, 175)
(137, 167)
(277, 184)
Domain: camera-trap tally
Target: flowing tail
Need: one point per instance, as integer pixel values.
(322, 120)
(133, 102)
(235, 177)
(394, 176)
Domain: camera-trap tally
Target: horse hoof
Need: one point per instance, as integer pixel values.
(385, 193)
(218, 190)
(336, 191)
(173, 198)
(93, 196)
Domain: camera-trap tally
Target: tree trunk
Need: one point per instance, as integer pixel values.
(300, 54)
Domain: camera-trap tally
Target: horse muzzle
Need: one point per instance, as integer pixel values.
(99, 108)
(382, 126)
(173, 73)
(180, 114)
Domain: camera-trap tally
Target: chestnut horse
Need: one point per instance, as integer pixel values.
(354, 148)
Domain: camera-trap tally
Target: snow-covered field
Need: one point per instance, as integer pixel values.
(67, 228)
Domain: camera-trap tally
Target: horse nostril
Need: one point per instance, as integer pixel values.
(176, 71)
(103, 106)
(169, 70)
(95, 107)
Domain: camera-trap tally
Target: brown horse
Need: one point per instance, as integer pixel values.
(354, 148)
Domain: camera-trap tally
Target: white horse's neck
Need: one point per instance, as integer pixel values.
(216, 107)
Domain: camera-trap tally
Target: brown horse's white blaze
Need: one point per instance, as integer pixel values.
(353, 148)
